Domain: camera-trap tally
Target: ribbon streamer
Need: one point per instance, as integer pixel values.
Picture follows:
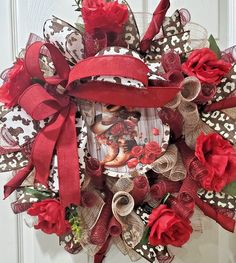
(155, 25)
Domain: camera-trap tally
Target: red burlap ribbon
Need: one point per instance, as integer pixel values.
(224, 220)
(60, 134)
(155, 25)
(226, 103)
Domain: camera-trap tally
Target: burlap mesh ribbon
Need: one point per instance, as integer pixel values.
(170, 164)
(193, 125)
(122, 208)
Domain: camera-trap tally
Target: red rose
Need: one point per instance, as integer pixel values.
(137, 151)
(203, 64)
(132, 163)
(168, 228)
(17, 81)
(117, 129)
(51, 217)
(106, 16)
(155, 131)
(219, 157)
(148, 158)
(153, 147)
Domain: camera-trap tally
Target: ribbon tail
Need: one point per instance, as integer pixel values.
(68, 165)
(221, 105)
(43, 148)
(17, 180)
(225, 221)
(98, 258)
(155, 25)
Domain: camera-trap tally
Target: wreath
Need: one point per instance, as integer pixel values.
(111, 137)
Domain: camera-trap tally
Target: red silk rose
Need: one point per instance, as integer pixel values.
(106, 16)
(219, 158)
(155, 132)
(17, 81)
(51, 217)
(137, 151)
(132, 163)
(148, 158)
(168, 228)
(203, 64)
(153, 147)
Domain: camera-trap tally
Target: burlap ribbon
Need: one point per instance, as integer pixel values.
(170, 164)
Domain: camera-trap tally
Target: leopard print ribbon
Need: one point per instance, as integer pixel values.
(220, 121)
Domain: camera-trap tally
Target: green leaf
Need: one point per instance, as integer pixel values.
(163, 201)
(230, 189)
(41, 195)
(146, 233)
(80, 27)
(214, 46)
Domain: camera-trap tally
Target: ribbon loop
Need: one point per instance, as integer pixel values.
(42, 106)
(33, 66)
(111, 65)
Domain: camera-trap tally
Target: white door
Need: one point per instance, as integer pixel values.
(20, 244)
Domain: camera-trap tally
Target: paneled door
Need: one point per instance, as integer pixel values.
(20, 244)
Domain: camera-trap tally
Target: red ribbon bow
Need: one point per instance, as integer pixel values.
(59, 135)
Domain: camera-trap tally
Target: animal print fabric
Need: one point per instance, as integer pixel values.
(227, 86)
(180, 43)
(222, 200)
(20, 126)
(12, 161)
(172, 25)
(221, 122)
(66, 38)
(131, 32)
(151, 253)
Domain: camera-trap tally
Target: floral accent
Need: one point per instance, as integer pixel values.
(153, 147)
(51, 217)
(137, 151)
(106, 16)
(203, 64)
(168, 228)
(148, 153)
(76, 228)
(155, 132)
(219, 157)
(17, 80)
(132, 163)
(148, 158)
